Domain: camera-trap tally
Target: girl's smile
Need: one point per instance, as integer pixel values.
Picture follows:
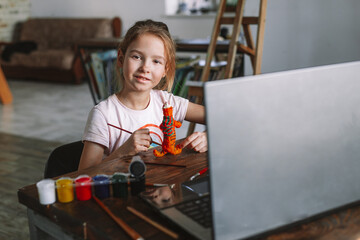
(142, 78)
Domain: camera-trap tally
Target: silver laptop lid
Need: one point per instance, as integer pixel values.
(282, 147)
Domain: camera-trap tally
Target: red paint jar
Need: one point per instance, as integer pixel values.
(83, 187)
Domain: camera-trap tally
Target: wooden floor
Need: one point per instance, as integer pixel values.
(22, 162)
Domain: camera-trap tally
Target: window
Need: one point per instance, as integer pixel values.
(190, 7)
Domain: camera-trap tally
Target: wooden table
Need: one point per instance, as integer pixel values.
(84, 219)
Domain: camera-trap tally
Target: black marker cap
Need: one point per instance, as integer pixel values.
(137, 167)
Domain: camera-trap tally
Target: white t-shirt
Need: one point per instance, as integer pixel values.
(112, 111)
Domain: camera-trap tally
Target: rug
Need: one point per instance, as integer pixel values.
(22, 162)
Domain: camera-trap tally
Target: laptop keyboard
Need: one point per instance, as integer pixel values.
(197, 209)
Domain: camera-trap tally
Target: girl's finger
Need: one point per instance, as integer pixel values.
(198, 146)
(201, 148)
(194, 143)
(143, 131)
(188, 140)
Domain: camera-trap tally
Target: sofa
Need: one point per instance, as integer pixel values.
(47, 48)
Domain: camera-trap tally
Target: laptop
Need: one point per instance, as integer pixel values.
(283, 148)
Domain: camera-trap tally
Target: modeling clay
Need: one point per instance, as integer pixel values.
(168, 128)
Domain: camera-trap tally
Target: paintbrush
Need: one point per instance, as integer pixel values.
(155, 224)
(131, 232)
(129, 132)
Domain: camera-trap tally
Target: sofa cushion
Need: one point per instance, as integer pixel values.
(53, 58)
(60, 33)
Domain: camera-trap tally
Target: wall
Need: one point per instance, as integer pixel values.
(11, 12)
(297, 34)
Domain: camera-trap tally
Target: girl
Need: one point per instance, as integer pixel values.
(116, 127)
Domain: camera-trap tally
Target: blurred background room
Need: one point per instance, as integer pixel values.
(49, 107)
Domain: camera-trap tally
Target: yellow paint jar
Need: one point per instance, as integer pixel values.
(65, 189)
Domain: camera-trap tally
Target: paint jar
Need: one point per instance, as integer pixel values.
(119, 184)
(83, 187)
(101, 186)
(137, 167)
(46, 190)
(137, 185)
(65, 189)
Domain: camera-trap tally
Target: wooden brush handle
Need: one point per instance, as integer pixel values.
(131, 232)
(155, 224)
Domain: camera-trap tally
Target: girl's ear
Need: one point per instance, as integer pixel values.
(120, 58)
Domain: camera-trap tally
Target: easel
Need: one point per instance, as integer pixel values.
(5, 93)
(254, 51)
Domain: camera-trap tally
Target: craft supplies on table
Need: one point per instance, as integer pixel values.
(120, 184)
(83, 187)
(137, 167)
(137, 185)
(65, 189)
(46, 190)
(102, 186)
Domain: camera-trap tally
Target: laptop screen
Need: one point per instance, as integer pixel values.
(283, 147)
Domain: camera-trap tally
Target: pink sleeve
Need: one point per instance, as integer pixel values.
(96, 129)
(180, 108)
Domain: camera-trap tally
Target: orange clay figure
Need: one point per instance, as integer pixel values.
(168, 128)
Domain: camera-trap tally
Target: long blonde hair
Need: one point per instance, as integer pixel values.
(160, 30)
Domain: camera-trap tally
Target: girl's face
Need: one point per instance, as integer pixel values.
(144, 63)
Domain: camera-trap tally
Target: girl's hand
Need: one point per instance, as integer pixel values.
(196, 141)
(93, 152)
(138, 142)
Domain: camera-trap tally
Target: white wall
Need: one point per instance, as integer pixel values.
(298, 33)
(12, 12)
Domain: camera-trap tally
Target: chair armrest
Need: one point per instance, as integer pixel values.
(2, 46)
(5, 43)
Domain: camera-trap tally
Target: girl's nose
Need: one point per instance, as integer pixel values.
(145, 66)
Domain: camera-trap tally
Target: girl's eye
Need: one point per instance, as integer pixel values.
(157, 61)
(136, 57)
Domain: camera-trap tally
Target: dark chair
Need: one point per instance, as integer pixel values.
(63, 159)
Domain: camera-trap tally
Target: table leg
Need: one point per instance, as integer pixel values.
(42, 228)
(5, 93)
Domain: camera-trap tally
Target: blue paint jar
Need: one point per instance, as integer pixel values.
(101, 186)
